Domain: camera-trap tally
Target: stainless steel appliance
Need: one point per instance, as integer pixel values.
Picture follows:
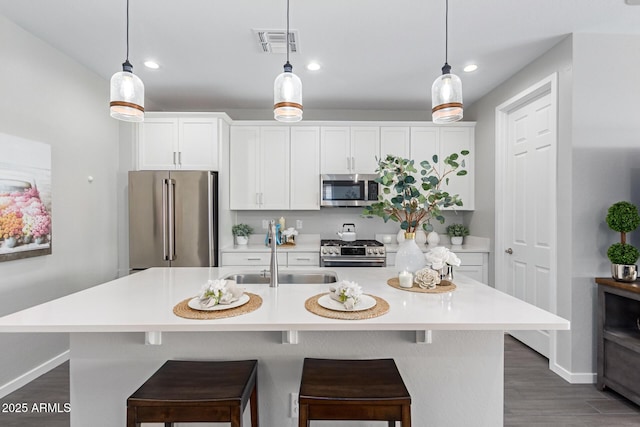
(349, 190)
(359, 253)
(173, 219)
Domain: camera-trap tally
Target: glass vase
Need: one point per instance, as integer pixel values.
(409, 257)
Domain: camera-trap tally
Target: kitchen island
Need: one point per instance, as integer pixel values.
(448, 346)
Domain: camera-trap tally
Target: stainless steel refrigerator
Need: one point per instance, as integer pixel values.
(173, 219)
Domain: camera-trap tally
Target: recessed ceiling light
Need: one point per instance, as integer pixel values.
(469, 68)
(313, 66)
(151, 64)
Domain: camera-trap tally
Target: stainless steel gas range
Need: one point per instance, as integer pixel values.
(359, 253)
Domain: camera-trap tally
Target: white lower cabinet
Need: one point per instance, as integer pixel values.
(473, 264)
(303, 258)
(263, 259)
(258, 259)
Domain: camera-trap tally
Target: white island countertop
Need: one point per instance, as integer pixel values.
(143, 302)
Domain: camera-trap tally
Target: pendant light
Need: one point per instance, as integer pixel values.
(127, 90)
(287, 91)
(446, 92)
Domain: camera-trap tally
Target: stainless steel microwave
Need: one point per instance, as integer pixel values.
(349, 190)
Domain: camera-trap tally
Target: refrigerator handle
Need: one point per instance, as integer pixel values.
(165, 210)
(172, 220)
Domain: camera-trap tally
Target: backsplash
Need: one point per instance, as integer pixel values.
(327, 221)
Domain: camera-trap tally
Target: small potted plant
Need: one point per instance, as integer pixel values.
(623, 217)
(457, 232)
(242, 233)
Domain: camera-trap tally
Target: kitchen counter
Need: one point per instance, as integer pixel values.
(471, 244)
(449, 347)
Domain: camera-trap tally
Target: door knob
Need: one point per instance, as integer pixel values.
(509, 251)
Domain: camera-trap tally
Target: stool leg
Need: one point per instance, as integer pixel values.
(131, 418)
(406, 415)
(303, 414)
(236, 416)
(253, 404)
(392, 424)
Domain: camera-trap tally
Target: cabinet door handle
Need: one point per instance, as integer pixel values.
(180, 158)
(253, 259)
(174, 158)
(348, 164)
(257, 198)
(303, 259)
(353, 164)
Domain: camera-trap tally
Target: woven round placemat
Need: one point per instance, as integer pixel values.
(182, 309)
(448, 286)
(381, 307)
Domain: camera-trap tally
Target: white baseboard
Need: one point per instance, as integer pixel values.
(27, 377)
(574, 378)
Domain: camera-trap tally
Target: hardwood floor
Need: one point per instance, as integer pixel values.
(534, 397)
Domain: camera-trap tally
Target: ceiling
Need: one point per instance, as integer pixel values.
(375, 54)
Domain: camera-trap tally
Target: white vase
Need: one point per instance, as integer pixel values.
(400, 236)
(421, 237)
(456, 240)
(242, 240)
(409, 257)
(433, 238)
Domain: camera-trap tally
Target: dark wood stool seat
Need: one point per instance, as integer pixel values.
(363, 390)
(196, 391)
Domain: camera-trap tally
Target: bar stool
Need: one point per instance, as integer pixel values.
(196, 391)
(356, 390)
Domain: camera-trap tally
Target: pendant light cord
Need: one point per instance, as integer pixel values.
(446, 32)
(287, 31)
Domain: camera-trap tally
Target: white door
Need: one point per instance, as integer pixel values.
(274, 167)
(158, 143)
(529, 209)
(395, 141)
(244, 173)
(454, 140)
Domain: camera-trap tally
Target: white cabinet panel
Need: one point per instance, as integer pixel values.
(259, 167)
(335, 143)
(304, 184)
(365, 148)
(157, 143)
(303, 258)
(261, 259)
(178, 142)
(197, 147)
(395, 140)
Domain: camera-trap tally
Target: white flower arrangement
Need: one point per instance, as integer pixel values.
(427, 278)
(440, 256)
(219, 291)
(346, 292)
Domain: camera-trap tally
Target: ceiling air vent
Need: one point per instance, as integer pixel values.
(275, 41)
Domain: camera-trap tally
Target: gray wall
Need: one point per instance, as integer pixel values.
(597, 151)
(47, 97)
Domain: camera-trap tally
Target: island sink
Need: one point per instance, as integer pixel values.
(300, 277)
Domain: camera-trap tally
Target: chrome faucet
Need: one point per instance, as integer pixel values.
(273, 266)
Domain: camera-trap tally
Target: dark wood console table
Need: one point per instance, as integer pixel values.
(619, 337)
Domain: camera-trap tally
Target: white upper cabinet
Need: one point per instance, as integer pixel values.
(347, 150)
(443, 141)
(304, 184)
(178, 142)
(259, 167)
(395, 140)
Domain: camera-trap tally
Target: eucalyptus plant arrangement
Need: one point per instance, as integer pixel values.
(623, 217)
(412, 201)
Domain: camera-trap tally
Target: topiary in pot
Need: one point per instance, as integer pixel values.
(623, 217)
